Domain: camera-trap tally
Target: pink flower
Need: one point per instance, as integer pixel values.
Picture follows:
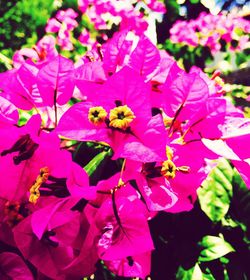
(83, 5)
(12, 266)
(55, 81)
(157, 6)
(18, 86)
(44, 50)
(154, 188)
(122, 234)
(126, 14)
(138, 266)
(233, 144)
(128, 128)
(53, 25)
(63, 24)
(46, 238)
(208, 30)
(67, 14)
(190, 161)
(30, 170)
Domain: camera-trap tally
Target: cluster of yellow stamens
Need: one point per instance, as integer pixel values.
(119, 117)
(169, 169)
(166, 119)
(97, 115)
(34, 190)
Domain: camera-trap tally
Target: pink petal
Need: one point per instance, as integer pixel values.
(8, 112)
(221, 148)
(186, 93)
(145, 58)
(55, 81)
(133, 239)
(141, 266)
(14, 267)
(157, 194)
(74, 124)
(115, 51)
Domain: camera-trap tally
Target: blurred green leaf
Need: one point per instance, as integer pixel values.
(224, 260)
(237, 180)
(208, 276)
(241, 202)
(22, 23)
(216, 191)
(90, 168)
(24, 116)
(241, 58)
(213, 248)
(229, 222)
(193, 273)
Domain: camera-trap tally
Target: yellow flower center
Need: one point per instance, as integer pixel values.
(121, 117)
(97, 115)
(34, 190)
(168, 169)
(169, 153)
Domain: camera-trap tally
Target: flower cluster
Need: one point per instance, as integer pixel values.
(63, 23)
(159, 124)
(127, 13)
(212, 30)
(101, 16)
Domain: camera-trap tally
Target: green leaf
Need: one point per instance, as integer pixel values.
(229, 222)
(208, 275)
(94, 163)
(241, 202)
(226, 276)
(216, 191)
(237, 180)
(224, 260)
(240, 58)
(213, 248)
(24, 116)
(193, 273)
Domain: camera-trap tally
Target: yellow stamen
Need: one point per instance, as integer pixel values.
(120, 185)
(169, 153)
(121, 117)
(97, 115)
(219, 81)
(34, 190)
(168, 169)
(166, 119)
